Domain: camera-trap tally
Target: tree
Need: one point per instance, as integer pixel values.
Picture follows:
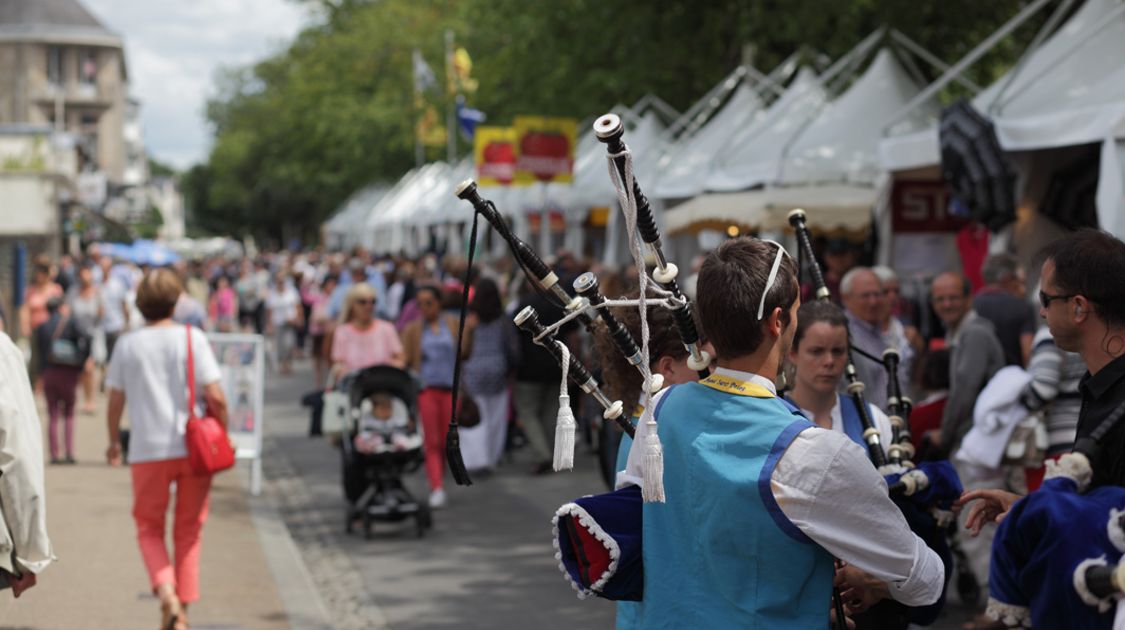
(297, 133)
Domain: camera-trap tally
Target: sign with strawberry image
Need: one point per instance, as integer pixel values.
(545, 149)
(494, 150)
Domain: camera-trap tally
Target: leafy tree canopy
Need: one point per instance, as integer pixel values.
(298, 132)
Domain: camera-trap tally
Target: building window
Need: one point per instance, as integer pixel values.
(54, 65)
(88, 67)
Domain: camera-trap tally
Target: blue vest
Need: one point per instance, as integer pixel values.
(628, 613)
(720, 553)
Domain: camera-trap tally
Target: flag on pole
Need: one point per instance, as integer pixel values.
(462, 72)
(468, 118)
(424, 77)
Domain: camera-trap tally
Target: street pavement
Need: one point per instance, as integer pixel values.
(487, 563)
(99, 580)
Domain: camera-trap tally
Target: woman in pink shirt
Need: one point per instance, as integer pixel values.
(360, 340)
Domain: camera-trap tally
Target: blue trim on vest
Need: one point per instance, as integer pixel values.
(780, 444)
(794, 409)
(849, 415)
(656, 411)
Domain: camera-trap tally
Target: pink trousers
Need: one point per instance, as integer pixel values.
(151, 490)
(435, 405)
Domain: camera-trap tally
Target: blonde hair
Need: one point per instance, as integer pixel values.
(158, 293)
(356, 292)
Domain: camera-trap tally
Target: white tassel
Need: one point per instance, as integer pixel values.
(652, 490)
(564, 436)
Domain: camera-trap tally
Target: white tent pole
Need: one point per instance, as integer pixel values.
(1107, 21)
(930, 58)
(657, 103)
(1036, 42)
(966, 61)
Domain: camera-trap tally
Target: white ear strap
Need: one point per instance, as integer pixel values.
(769, 282)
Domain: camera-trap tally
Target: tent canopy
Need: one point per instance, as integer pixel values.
(1070, 90)
(836, 207)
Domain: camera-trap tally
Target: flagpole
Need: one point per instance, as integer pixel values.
(419, 150)
(450, 114)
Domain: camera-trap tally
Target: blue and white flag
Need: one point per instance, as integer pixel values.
(468, 118)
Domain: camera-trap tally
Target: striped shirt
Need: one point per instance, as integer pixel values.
(1055, 374)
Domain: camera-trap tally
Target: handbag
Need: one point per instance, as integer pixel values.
(208, 445)
(65, 351)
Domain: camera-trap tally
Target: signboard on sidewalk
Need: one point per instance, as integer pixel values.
(242, 365)
(545, 149)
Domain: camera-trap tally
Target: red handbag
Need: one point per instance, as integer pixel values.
(208, 445)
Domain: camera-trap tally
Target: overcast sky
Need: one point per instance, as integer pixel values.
(172, 49)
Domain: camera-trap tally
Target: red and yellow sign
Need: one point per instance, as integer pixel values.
(545, 149)
(494, 151)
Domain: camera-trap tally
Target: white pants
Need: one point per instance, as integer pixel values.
(482, 445)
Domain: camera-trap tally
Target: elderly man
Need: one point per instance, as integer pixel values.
(865, 307)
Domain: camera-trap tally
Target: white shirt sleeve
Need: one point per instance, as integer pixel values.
(827, 487)
(633, 473)
(23, 508)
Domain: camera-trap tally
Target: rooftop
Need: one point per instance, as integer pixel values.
(55, 21)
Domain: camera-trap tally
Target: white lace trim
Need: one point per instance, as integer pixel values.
(1074, 466)
(1008, 614)
(587, 521)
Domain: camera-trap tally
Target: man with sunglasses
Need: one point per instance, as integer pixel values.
(1082, 298)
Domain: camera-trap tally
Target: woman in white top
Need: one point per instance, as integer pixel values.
(149, 370)
(284, 317)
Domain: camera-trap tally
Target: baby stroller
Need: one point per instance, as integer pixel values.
(381, 443)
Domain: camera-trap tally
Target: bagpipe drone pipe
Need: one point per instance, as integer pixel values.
(1058, 559)
(923, 492)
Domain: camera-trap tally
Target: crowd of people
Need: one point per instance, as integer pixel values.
(349, 311)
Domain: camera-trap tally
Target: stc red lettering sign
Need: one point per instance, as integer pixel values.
(922, 206)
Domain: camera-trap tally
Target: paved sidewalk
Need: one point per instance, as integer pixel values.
(99, 580)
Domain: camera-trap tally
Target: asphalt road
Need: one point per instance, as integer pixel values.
(487, 563)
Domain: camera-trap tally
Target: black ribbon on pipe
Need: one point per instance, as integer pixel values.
(453, 438)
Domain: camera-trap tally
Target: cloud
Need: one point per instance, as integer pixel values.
(173, 49)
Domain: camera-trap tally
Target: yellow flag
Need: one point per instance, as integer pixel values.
(462, 71)
(430, 129)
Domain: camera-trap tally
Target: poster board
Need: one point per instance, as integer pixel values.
(242, 367)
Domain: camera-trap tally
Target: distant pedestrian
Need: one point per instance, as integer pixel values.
(88, 309)
(493, 352)
(223, 306)
(431, 350)
(33, 313)
(320, 327)
(149, 370)
(65, 350)
(283, 318)
(361, 341)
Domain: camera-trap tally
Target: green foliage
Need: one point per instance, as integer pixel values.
(150, 225)
(297, 133)
(159, 169)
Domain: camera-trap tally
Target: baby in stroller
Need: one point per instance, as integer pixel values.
(381, 445)
(385, 426)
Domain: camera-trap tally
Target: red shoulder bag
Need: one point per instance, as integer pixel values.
(208, 445)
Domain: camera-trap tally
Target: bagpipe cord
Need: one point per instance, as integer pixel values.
(652, 488)
(452, 439)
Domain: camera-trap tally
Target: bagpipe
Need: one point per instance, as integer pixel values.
(1058, 559)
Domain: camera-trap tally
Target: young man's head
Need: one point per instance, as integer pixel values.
(1080, 293)
(735, 316)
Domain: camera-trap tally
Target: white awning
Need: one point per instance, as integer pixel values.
(830, 208)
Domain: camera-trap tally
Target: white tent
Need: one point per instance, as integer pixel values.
(684, 169)
(829, 164)
(1068, 91)
(753, 154)
(345, 228)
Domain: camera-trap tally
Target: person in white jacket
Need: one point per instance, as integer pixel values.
(25, 549)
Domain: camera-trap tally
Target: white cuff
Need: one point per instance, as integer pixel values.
(927, 576)
(625, 479)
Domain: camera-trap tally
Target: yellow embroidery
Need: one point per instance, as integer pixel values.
(638, 411)
(736, 387)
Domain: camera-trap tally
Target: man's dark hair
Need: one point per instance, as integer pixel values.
(1087, 263)
(998, 268)
(730, 288)
(815, 312)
